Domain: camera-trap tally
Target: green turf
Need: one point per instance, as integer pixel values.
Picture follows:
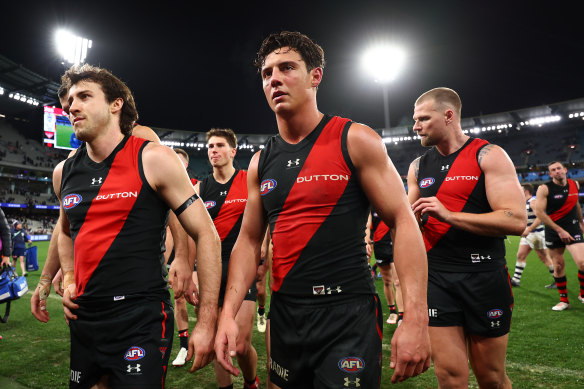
(545, 347)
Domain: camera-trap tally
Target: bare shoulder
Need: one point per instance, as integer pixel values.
(365, 146)
(145, 133)
(493, 157)
(157, 155)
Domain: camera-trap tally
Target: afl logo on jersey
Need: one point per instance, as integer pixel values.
(351, 364)
(134, 354)
(267, 186)
(71, 200)
(210, 204)
(426, 182)
(495, 313)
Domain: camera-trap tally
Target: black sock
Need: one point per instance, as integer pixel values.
(226, 387)
(392, 308)
(183, 336)
(261, 309)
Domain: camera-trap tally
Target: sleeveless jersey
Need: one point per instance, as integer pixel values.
(381, 234)
(531, 216)
(458, 182)
(226, 203)
(562, 203)
(317, 213)
(117, 223)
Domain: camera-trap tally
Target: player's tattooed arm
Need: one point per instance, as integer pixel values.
(483, 152)
(416, 166)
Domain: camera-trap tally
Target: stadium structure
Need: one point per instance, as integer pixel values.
(532, 137)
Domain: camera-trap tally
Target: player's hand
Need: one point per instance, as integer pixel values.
(410, 351)
(58, 283)
(192, 294)
(68, 304)
(38, 301)
(431, 206)
(180, 277)
(225, 343)
(525, 232)
(6, 261)
(565, 236)
(201, 344)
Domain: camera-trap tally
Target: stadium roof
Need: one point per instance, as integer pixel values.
(16, 79)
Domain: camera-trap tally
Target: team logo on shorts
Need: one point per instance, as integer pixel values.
(267, 186)
(134, 353)
(351, 364)
(210, 204)
(495, 313)
(71, 200)
(426, 182)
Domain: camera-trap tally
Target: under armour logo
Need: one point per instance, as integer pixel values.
(293, 163)
(336, 290)
(495, 324)
(223, 193)
(96, 181)
(355, 382)
(445, 167)
(133, 369)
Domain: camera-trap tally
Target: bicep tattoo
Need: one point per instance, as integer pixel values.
(483, 152)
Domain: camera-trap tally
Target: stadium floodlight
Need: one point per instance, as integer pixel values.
(72, 48)
(384, 62)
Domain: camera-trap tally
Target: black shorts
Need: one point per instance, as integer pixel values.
(251, 295)
(129, 341)
(553, 241)
(329, 344)
(383, 255)
(480, 302)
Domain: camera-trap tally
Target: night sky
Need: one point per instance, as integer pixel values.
(189, 64)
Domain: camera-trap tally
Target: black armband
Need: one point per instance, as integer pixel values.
(186, 204)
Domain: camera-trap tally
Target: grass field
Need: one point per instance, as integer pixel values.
(546, 349)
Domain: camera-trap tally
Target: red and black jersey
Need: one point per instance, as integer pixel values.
(382, 243)
(226, 203)
(459, 183)
(562, 203)
(117, 222)
(317, 213)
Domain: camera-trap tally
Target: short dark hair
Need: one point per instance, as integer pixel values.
(112, 87)
(528, 187)
(552, 162)
(182, 152)
(312, 54)
(443, 96)
(225, 133)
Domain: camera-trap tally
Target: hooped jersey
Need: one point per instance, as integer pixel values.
(562, 203)
(531, 215)
(459, 183)
(225, 204)
(117, 223)
(317, 213)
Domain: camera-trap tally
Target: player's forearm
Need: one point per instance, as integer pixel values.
(496, 223)
(412, 267)
(547, 221)
(209, 270)
(52, 264)
(242, 272)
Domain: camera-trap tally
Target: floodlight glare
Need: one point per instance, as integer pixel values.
(383, 62)
(73, 49)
